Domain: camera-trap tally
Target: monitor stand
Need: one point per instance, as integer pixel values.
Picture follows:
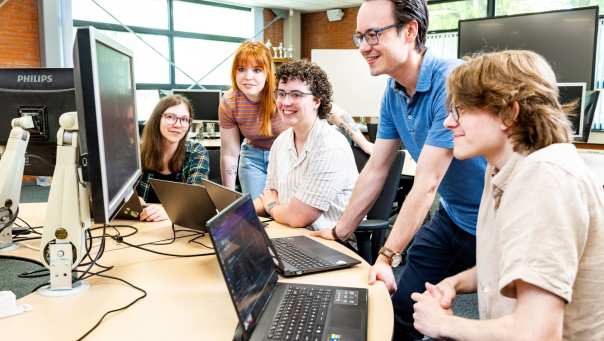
(63, 242)
(12, 164)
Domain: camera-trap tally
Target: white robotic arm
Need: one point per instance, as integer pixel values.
(11, 174)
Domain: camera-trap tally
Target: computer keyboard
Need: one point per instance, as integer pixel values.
(289, 253)
(302, 314)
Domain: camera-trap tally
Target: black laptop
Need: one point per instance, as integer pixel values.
(186, 205)
(268, 310)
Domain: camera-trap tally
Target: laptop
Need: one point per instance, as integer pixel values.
(221, 196)
(268, 310)
(186, 205)
(131, 209)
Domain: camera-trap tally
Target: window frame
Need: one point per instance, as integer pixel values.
(171, 34)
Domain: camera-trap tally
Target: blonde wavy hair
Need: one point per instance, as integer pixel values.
(495, 81)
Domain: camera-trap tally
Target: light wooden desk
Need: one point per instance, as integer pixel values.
(187, 298)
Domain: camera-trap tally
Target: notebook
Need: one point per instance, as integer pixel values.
(268, 310)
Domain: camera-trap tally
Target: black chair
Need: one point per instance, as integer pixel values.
(370, 233)
(214, 158)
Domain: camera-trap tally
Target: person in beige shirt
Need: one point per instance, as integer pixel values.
(539, 270)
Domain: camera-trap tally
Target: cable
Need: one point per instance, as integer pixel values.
(194, 240)
(118, 309)
(121, 240)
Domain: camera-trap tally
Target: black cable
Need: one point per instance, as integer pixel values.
(121, 240)
(194, 240)
(31, 229)
(16, 240)
(118, 309)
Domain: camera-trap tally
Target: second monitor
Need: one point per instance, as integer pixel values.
(205, 103)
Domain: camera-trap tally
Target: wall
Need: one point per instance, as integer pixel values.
(19, 40)
(275, 32)
(319, 33)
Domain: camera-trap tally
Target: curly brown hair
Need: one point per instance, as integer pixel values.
(495, 81)
(314, 76)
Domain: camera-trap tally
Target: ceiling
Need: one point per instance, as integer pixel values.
(300, 5)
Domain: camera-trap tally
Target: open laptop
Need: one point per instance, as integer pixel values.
(268, 310)
(186, 205)
(221, 196)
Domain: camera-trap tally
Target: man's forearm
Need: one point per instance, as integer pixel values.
(462, 329)
(411, 216)
(465, 282)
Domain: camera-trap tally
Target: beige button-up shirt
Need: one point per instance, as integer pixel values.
(321, 175)
(541, 220)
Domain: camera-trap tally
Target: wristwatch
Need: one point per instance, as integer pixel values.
(393, 258)
(270, 206)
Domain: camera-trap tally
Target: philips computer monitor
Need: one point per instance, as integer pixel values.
(567, 39)
(574, 93)
(205, 103)
(109, 140)
(43, 94)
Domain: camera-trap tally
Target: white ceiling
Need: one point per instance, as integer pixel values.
(300, 5)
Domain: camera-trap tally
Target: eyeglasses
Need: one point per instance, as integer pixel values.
(372, 36)
(172, 119)
(455, 111)
(295, 95)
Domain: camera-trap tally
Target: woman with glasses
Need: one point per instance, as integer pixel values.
(247, 111)
(311, 170)
(167, 155)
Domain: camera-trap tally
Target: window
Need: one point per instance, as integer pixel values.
(128, 12)
(197, 57)
(197, 42)
(444, 16)
(191, 17)
(509, 7)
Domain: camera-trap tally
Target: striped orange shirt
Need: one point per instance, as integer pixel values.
(236, 110)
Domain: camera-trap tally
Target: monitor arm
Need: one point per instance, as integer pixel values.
(11, 174)
(68, 212)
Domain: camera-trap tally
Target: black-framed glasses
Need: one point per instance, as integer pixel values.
(455, 111)
(295, 95)
(172, 119)
(372, 36)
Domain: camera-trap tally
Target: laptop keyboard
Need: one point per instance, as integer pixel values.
(301, 314)
(291, 254)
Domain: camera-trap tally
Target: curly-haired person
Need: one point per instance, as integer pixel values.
(311, 170)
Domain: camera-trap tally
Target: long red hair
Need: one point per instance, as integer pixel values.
(251, 53)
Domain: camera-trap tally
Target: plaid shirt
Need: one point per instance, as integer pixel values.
(195, 167)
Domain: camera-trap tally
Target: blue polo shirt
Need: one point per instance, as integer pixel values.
(419, 120)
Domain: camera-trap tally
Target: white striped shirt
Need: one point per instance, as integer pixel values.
(322, 175)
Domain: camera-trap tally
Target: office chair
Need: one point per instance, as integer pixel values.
(214, 158)
(370, 233)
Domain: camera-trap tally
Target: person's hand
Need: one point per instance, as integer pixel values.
(323, 233)
(382, 271)
(268, 196)
(153, 212)
(429, 316)
(447, 292)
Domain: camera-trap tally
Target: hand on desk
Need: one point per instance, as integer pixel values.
(382, 271)
(429, 315)
(323, 233)
(153, 212)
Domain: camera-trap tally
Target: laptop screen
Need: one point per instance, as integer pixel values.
(243, 254)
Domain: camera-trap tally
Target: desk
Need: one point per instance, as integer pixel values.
(187, 298)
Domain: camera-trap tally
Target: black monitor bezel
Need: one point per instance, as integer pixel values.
(592, 81)
(91, 136)
(184, 92)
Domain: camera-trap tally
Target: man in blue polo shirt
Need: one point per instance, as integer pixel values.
(391, 37)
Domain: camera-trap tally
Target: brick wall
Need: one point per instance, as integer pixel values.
(19, 39)
(319, 33)
(275, 31)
